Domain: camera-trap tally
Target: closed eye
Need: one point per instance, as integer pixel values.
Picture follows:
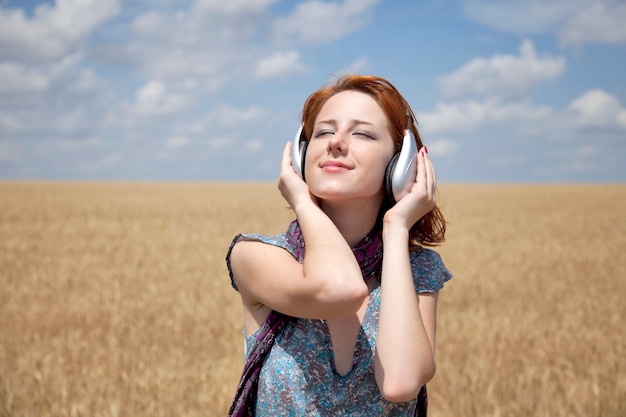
(365, 135)
(323, 133)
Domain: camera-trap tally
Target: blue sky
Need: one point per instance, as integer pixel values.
(504, 91)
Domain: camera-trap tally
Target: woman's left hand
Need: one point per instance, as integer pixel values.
(422, 197)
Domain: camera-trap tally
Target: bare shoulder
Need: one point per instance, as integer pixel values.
(252, 259)
(263, 273)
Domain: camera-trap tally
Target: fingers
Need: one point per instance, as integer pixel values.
(422, 198)
(285, 162)
(426, 177)
(430, 174)
(291, 186)
(285, 167)
(421, 170)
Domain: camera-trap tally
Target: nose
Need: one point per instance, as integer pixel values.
(337, 143)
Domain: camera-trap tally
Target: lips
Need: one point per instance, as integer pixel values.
(333, 165)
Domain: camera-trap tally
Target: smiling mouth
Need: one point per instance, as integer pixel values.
(334, 166)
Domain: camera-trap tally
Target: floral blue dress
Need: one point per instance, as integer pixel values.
(299, 377)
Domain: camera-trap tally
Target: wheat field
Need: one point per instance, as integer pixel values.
(115, 299)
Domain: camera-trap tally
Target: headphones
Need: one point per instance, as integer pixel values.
(400, 172)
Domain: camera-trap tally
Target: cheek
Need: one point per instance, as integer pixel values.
(376, 165)
(313, 150)
(378, 159)
(381, 170)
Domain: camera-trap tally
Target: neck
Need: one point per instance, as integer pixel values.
(354, 218)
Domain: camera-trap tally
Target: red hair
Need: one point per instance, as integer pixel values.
(430, 229)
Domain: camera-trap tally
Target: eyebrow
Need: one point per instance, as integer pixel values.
(354, 122)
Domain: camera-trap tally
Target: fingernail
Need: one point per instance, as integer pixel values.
(425, 149)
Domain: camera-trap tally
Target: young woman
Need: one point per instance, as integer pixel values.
(340, 311)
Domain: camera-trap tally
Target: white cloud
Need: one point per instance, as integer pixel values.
(19, 79)
(598, 108)
(454, 117)
(595, 109)
(574, 22)
(177, 142)
(597, 23)
(80, 86)
(155, 99)
(470, 115)
(68, 113)
(279, 65)
(442, 146)
(209, 43)
(317, 22)
(464, 116)
(229, 118)
(233, 7)
(151, 92)
(521, 16)
(503, 75)
(356, 67)
(149, 24)
(54, 99)
(220, 142)
(254, 145)
(229, 127)
(16, 78)
(53, 31)
(213, 43)
(204, 20)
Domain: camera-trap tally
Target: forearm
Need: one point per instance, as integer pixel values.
(404, 354)
(329, 260)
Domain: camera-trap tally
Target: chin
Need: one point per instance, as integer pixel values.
(340, 187)
(347, 193)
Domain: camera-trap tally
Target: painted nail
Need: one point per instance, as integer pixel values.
(425, 149)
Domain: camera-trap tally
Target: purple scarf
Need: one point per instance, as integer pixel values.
(369, 254)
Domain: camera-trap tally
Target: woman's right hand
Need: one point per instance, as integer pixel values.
(420, 200)
(293, 188)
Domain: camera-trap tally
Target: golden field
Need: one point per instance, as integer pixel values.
(115, 299)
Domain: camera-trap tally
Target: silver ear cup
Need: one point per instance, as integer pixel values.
(404, 169)
(298, 152)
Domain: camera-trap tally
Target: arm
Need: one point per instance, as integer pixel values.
(329, 282)
(405, 345)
